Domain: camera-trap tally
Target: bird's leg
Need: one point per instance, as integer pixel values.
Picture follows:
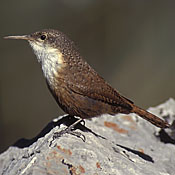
(69, 130)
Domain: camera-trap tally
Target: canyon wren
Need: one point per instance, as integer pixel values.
(78, 89)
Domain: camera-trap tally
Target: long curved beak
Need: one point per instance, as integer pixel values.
(22, 37)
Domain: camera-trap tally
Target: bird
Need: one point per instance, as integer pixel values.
(77, 88)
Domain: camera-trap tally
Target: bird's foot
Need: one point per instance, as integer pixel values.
(67, 131)
(70, 130)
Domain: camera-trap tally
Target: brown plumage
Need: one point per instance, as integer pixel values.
(76, 86)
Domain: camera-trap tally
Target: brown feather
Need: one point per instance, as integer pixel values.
(77, 88)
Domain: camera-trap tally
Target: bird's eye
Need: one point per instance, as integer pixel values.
(43, 37)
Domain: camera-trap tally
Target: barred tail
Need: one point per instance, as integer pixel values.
(150, 117)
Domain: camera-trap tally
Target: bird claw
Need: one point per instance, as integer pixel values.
(78, 135)
(69, 130)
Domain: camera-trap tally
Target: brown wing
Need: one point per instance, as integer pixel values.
(85, 81)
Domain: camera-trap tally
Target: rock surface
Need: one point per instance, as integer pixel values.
(111, 145)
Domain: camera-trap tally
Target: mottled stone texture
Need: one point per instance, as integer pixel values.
(111, 145)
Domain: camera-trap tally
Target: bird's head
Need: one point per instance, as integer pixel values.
(46, 43)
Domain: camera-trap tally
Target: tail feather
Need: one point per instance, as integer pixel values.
(150, 117)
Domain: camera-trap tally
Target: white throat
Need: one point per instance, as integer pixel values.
(50, 59)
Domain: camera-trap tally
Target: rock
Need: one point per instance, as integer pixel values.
(109, 145)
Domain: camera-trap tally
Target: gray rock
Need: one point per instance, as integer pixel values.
(111, 145)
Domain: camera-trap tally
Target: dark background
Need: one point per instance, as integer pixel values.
(130, 43)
